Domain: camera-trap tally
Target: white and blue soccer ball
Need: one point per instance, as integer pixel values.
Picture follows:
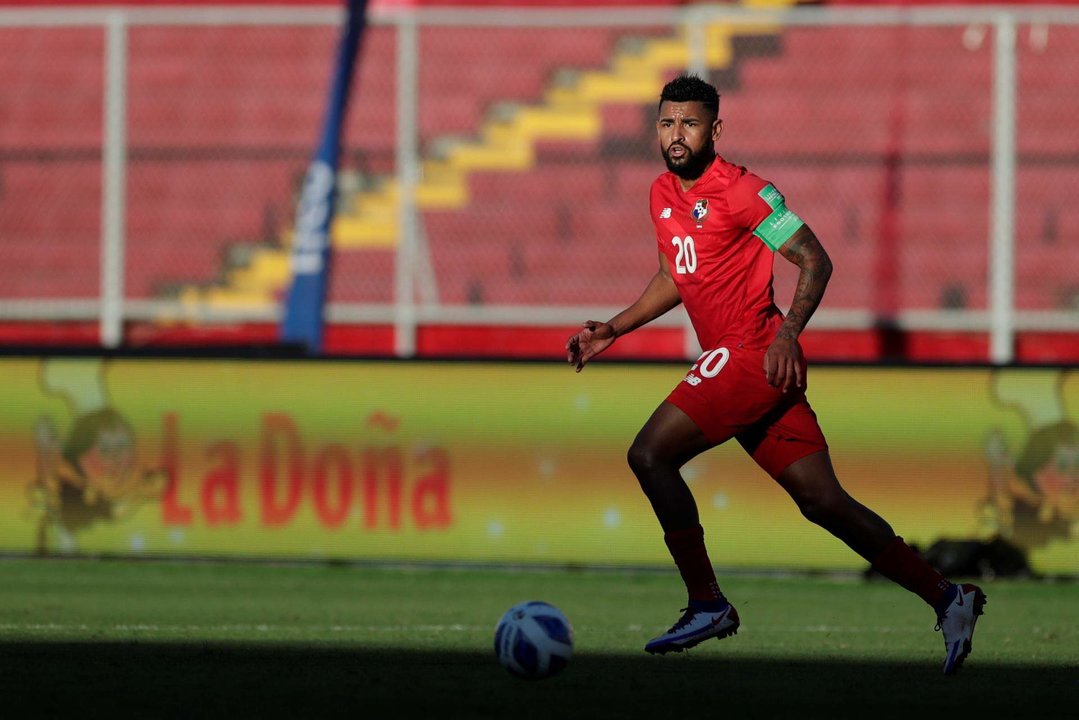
(534, 640)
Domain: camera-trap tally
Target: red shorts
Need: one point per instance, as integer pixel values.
(726, 394)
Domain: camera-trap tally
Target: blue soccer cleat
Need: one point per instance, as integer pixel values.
(699, 623)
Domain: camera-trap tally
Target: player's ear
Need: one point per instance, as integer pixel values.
(717, 129)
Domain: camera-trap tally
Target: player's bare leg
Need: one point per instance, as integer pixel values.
(813, 485)
(667, 442)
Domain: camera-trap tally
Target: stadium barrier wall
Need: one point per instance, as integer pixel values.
(502, 463)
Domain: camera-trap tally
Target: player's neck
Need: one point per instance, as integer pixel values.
(686, 184)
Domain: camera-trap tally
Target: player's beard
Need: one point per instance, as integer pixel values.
(692, 165)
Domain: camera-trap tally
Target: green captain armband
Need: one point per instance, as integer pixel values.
(778, 227)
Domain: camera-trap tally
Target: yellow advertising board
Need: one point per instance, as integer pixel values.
(507, 463)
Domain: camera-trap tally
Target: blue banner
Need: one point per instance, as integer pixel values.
(311, 251)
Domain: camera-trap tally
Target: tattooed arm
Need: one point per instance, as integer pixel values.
(783, 363)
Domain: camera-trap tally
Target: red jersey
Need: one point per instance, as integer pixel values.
(718, 238)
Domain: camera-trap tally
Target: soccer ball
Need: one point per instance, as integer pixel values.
(534, 640)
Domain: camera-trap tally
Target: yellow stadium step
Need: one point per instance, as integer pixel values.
(545, 122)
(267, 268)
(227, 298)
(597, 87)
(511, 154)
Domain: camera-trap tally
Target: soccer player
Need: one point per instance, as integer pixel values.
(717, 225)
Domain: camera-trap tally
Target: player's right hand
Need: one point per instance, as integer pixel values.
(784, 364)
(594, 338)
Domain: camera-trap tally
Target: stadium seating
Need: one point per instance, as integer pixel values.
(530, 187)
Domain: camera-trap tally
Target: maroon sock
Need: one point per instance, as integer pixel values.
(900, 564)
(691, 557)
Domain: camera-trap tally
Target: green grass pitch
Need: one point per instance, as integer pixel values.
(176, 639)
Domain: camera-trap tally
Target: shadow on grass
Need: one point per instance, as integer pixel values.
(237, 680)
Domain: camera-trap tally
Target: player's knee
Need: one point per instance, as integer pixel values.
(638, 458)
(643, 460)
(813, 511)
(821, 508)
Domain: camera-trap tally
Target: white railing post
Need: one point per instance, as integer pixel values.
(407, 177)
(696, 29)
(1002, 195)
(114, 182)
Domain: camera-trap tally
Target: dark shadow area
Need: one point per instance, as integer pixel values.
(233, 680)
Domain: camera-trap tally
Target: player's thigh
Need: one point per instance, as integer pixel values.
(670, 437)
(811, 477)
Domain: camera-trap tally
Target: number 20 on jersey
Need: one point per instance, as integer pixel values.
(685, 260)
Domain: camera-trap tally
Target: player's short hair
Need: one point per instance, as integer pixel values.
(690, 88)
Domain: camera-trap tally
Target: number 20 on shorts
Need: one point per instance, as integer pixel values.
(711, 362)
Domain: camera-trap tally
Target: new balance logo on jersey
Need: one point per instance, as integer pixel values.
(692, 380)
(665, 214)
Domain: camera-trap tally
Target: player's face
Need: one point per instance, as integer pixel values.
(687, 137)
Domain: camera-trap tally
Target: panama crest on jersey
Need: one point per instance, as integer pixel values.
(700, 210)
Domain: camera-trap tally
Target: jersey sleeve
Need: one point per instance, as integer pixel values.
(757, 205)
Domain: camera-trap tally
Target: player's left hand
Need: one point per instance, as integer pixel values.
(784, 364)
(593, 338)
